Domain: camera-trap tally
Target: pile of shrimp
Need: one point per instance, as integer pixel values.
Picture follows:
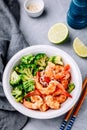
(50, 88)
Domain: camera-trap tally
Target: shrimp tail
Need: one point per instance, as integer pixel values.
(63, 90)
(67, 94)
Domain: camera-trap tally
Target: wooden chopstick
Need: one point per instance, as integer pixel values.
(70, 112)
(68, 115)
(80, 102)
(78, 106)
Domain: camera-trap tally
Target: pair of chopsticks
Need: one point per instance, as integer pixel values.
(72, 114)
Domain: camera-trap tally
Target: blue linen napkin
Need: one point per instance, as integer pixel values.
(11, 41)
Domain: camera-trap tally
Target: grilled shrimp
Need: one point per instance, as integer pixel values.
(62, 72)
(35, 92)
(61, 98)
(57, 92)
(44, 107)
(51, 102)
(35, 103)
(60, 86)
(65, 83)
(49, 71)
(46, 90)
(57, 72)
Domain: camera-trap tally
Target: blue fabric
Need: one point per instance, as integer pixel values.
(11, 41)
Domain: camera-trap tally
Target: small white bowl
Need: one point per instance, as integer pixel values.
(50, 51)
(34, 8)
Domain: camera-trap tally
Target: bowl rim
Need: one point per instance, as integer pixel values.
(42, 7)
(19, 107)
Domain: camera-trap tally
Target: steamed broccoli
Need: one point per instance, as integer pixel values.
(14, 78)
(20, 67)
(28, 86)
(27, 59)
(51, 59)
(56, 60)
(24, 77)
(33, 69)
(27, 72)
(17, 92)
(71, 86)
(24, 63)
(30, 64)
(24, 72)
(41, 60)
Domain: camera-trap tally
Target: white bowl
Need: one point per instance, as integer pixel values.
(34, 8)
(49, 50)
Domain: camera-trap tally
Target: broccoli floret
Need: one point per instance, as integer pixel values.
(27, 59)
(56, 60)
(26, 74)
(71, 86)
(19, 68)
(29, 85)
(24, 63)
(19, 99)
(33, 69)
(24, 77)
(17, 92)
(16, 68)
(51, 59)
(14, 78)
(41, 60)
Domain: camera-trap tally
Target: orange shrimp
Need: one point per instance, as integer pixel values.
(51, 102)
(57, 72)
(44, 107)
(59, 68)
(49, 71)
(65, 83)
(35, 92)
(35, 103)
(57, 92)
(60, 86)
(46, 90)
(62, 74)
(61, 98)
(67, 67)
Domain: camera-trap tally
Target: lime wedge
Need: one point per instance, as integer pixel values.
(58, 33)
(79, 47)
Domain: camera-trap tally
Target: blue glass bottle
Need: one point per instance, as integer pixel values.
(77, 14)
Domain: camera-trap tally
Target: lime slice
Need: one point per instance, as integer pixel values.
(58, 33)
(79, 47)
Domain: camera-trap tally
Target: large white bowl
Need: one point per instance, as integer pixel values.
(49, 50)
